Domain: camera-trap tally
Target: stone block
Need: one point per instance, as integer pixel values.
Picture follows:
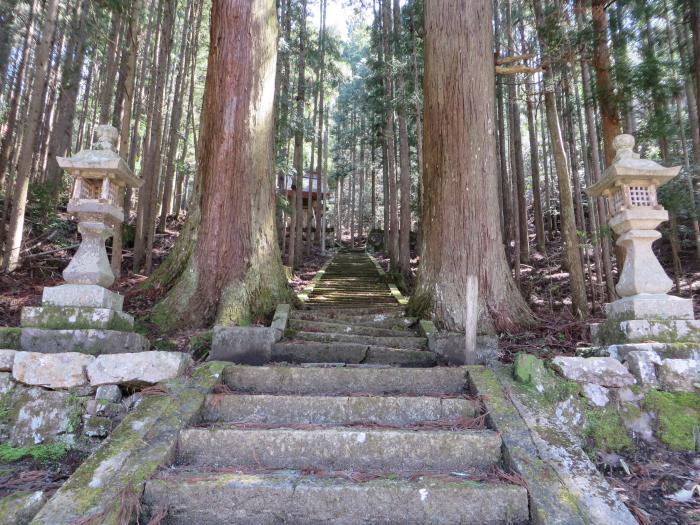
(65, 370)
(7, 358)
(20, 507)
(44, 416)
(76, 318)
(679, 375)
(279, 321)
(450, 347)
(143, 368)
(597, 396)
(93, 342)
(603, 371)
(642, 366)
(6, 383)
(97, 426)
(85, 295)
(99, 407)
(670, 331)
(111, 393)
(248, 345)
(664, 350)
(650, 306)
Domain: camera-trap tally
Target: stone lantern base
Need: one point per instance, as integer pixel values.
(650, 306)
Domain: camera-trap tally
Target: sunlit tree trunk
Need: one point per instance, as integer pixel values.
(227, 259)
(462, 233)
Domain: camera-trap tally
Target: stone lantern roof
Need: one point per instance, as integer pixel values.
(627, 169)
(101, 161)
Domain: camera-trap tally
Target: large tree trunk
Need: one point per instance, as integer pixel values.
(33, 122)
(462, 233)
(110, 70)
(606, 96)
(232, 272)
(319, 208)
(695, 22)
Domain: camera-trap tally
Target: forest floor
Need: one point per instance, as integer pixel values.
(653, 474)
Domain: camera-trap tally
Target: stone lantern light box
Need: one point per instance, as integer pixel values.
(629, 185)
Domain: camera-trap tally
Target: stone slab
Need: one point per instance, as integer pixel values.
(44, 416)
(642, 365)
(335, 410)
(59, 370)
(664, 350)
(75, 318)
(7, 359)
(93, 342)
(249, 345)
(340, 448)
(318, 380)
(289, 497)
(603, 371)
(19, 508)
(679, 375)
(142, 443)
(88, 295)
(644, 330)
(650, 306)
(143, 368)
(279, 321)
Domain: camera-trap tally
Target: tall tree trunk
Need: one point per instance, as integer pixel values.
(110, 70)
(419, 139)
(320, 205)
(568, 221)
(63, 129)
(606, 96)
(391, 193)
(461, 228)
(7, 18)
(535, 172)
(227, 258)
(175, 117)
(695, 25)
(24, 163)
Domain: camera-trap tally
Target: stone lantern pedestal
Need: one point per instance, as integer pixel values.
(654, 333)
(83, 315)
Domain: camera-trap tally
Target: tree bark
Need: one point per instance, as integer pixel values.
(24, 163)
(320, 205)
(462, 233)
(110, 71)
(231, 272)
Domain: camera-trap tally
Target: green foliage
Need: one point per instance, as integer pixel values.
(678, 418)
(606, 431)
(45, 453)
(200, 345)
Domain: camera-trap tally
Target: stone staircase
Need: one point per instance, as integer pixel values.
(354, 425)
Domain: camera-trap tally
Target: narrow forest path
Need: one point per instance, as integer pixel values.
(355, 424)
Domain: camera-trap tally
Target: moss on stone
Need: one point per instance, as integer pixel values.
(419, 305)
(10, 338)
(606, 431)
(678, 415)
(527, 368)
(610, 333)
(44, 453)
(200, 344)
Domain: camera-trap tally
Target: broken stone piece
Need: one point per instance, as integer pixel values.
(65, 370)
(94, 342)
(603, 371)
(598, 396)
(75, 317)
(111, 393)
(143, 368)
(678, 375)
(7, 358)
(642, 365)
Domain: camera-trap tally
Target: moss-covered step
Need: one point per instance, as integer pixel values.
(641, 331)
(335, 410)
(340, 327)
(291, 497)
(405, 342)
(93, 342)
(76, 318)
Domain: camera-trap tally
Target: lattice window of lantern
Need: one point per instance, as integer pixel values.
(618, 201)
(639, 196)
(90, 189)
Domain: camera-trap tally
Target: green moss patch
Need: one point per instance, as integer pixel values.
(606, 431)
(10, 338)
(48, 453)
(678, 414)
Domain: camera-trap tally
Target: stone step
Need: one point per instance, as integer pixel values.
(335, 410)
(387, 313)
(407, 342)
(664, 350)
(342, 328)
(345, 380)
(371, 321)
(385, 309)
(203, 498)
(316, 352)
(340, 448)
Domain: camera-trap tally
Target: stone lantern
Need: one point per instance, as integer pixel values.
(629, 185)
(83, 315)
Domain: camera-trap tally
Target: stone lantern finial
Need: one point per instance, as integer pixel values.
(107, 137)
(624, 148)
